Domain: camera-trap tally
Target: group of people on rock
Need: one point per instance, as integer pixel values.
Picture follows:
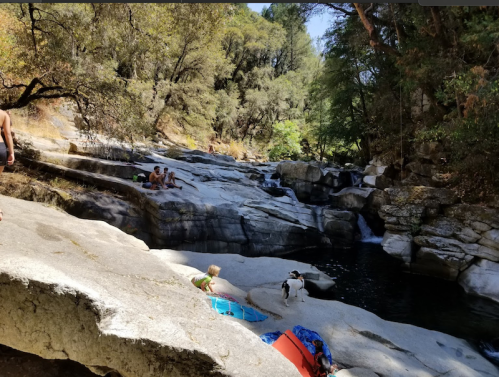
(157, 179)
(6, 144)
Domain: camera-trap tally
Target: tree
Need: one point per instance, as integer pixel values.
(285, 140)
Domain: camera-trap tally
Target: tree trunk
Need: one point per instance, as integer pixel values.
(373, 35)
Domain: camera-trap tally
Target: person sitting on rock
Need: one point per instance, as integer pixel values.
(171, 181)
(155, 179)
(204, 281)
(165, 176)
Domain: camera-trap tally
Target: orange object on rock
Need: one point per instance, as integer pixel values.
(296, 352)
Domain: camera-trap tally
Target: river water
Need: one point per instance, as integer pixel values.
(369, 278)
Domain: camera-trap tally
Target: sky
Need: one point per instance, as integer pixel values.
(316, 26)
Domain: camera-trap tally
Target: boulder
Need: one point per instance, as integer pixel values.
(351, 198)
(490, 239)
(412, 212)
(339, 226)
(371, 170)
(425, 170)
(449, 227)
(336, 178)
(431, 151)
(378, 181)
(445, 265)
(299, 170)
(474, 214)
(479, 227)
(376, 161)
(416, 180)
(308, 192)
(376, 200)
(83, 290)
(455, 246)
(482, 279)
(398, 245)
(422, 195)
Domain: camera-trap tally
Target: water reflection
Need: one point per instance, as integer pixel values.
(369, 278)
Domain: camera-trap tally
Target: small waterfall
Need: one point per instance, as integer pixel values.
(366, 232)
(355, 179)
(289, 192)
(268, 182)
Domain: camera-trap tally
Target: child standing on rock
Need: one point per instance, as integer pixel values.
(204, 281)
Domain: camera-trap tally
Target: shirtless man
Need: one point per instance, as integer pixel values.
(156, 178)
(6, 151)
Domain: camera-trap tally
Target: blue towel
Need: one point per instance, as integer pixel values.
(235, 310)
(307, 336)
(270, 337)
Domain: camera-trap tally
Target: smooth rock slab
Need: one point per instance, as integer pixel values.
(356, 372)
(361, 339)
(245, 273)
(482, 279)
(85, 291)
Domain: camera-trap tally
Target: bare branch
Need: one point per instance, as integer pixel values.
(335, 7)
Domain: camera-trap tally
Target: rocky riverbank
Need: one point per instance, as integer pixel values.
(221, 207)
(436, 236)
(83, 290)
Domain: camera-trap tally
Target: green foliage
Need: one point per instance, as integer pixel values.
(286, 139)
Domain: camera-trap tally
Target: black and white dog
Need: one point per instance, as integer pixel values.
(297, 282)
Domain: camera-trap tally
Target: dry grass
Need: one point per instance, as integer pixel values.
(237, 150)
(64, 184)
(15, 183)
(36, 121)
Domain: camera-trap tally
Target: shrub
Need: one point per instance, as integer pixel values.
(173, 152)
(286, 139)
(191, 144)
(236, 149)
